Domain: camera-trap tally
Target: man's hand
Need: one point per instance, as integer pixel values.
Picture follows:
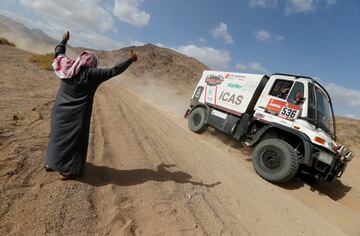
(66, 36)
(132, 56)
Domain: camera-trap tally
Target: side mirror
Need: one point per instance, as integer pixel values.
(299, 99)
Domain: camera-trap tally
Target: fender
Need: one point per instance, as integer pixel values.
(308, 149)
(195, 104)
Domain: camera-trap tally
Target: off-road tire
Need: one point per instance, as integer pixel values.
(196, 120)
(284, 165)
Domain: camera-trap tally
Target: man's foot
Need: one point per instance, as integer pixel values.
(47, 168)
(68, 176)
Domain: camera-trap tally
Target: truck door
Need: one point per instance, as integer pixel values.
(284, 99)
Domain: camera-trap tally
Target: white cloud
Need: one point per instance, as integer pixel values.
(293, 6)
(346, 101)
(85, 38)
(255, 66)
(136, 43)
(128, 11)
(240, 66)
(162, 46)
(25, 21)
(306, 6)
(279, 38)
(344, 96)
(214, 58)
(353, 116)
(299, 6)
(252, 66)
(79, 14)
(86, 20)
(221, 31)
(330, 2)
(263, 3)
(96, 41)
(263, 35)
(202, 40)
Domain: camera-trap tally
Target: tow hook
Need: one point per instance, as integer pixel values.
(347, 155)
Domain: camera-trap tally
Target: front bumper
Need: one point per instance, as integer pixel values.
(331, 166)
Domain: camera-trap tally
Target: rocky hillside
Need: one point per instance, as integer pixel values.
(155, 62)
(33, 40)
(348, 132)
(162, 64)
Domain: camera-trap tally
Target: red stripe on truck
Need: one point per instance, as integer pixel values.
(215, 96)
(205, 92)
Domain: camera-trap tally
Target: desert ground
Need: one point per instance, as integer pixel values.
(147, 173)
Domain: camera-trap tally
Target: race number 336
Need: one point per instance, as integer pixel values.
(288, 113)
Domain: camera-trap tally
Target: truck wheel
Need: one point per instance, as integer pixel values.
(275, 160)
(196, 120)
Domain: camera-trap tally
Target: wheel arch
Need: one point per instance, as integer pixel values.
(293, 137)
(199, 104)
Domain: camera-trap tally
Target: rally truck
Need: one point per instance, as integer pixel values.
(289, 119)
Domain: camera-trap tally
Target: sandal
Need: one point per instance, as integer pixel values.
(47, 168)
(68, 176)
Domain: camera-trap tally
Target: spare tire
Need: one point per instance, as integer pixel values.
(275, 160)
(196, 120)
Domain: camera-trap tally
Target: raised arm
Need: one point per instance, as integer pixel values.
(61, 48)
(99, 75)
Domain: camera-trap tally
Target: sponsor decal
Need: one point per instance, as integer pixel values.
(283, 109)
(259, 115)
(210, 95)
(198, 93)
(214, 80)
(231, 98)
(220, 114)
(236, 86)
(275, 105)
(231, 76)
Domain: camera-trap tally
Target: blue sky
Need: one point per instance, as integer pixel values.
(319, 38)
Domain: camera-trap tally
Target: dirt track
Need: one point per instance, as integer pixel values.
(147, 174)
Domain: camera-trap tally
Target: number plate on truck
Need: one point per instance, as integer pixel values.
(220, 114)
(288, 113)
(283, 109)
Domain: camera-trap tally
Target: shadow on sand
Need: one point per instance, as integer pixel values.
(102, 175)
(336, 190)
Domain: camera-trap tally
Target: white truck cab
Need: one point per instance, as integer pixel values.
(288, 118)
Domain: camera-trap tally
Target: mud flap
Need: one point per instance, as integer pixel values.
(242, 128)
(187, 113)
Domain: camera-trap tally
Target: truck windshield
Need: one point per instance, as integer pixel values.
(325, 117)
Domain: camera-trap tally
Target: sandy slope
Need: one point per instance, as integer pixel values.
(147, 174)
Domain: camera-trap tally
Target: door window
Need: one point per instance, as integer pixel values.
(296, 93)
(281, 88)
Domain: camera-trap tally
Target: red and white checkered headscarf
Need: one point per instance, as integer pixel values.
(66, 68)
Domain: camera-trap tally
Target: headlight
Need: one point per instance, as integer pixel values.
(325, 157)
(349, 156)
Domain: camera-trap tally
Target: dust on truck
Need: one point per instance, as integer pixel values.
(289, 119)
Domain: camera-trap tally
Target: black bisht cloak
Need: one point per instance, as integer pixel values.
(71, 115)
